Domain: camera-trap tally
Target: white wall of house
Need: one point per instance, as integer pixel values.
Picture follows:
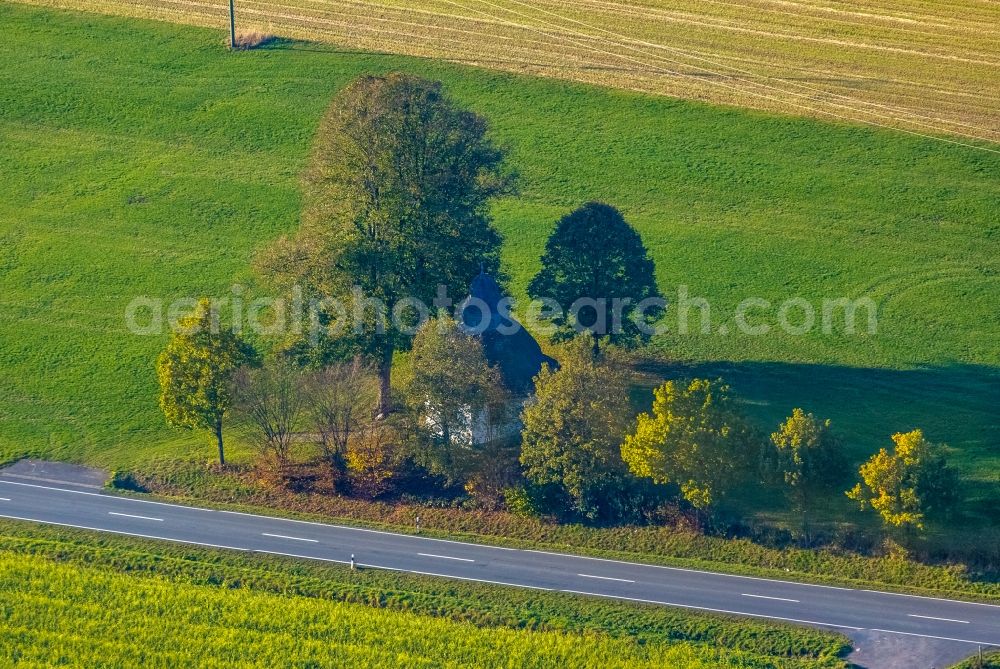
(482, 428)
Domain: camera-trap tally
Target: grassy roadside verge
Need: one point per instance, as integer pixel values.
(990, 661)
(483, 605)
(653, 544)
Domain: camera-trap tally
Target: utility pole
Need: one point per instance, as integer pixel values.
(232, 24)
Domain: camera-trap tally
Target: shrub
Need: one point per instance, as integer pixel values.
(252, 39)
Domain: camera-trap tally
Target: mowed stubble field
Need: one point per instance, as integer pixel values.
(141, 158)
(924, 66)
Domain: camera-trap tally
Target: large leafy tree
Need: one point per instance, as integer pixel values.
(595, 255)
(396, 205)
(908, 484)
(573, 429)
(196, 370)
(810, 459)
(693, 438)
(455, 394)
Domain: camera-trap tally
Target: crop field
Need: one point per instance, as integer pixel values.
(142, 158)
(70, 615)
(482, 604)
(927, 67)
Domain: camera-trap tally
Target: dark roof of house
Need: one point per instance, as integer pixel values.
(506, 343)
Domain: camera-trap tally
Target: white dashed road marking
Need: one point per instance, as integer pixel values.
(129, 515)
(282, 536)
(607, 578)
(777, 599)
(445, 557)
(944, 620)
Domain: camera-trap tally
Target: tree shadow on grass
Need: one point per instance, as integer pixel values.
(957, 404)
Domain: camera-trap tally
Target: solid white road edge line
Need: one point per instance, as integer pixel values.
(944, 620)
(940, 638)
(465, 578)
(282, 536)
(129, 515)
(261, 516)
(445, 557)
(105, 495)
(934, 599)
(777, 599)
(701, 571)
(306, 557)
(705, 608)
(127, 534)
(479, 580)
(607, 578)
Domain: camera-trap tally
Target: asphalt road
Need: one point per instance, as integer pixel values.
(861, 614)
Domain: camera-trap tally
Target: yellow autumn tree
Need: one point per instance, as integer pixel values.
(574, 426)
(373, 458)
(809, 459)
(692, 438)
(907, 484)
(195, 372)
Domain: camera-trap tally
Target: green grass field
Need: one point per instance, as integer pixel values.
(122, 603)
(142, 158)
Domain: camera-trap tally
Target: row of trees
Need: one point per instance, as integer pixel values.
(581, 452)
(396, 207)
(577, 436)
(210, 378)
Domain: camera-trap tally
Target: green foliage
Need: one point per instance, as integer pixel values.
(595, 257)
(396, 206)
(908, 484)
(991, 660)
(693, 438)
(574, 425)
(486, 606)
(196, 371)
(374, 456)
(119, 480)
(454, 393)
(192, 170)
(461, 411)
(519, 501)
(810, 458)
